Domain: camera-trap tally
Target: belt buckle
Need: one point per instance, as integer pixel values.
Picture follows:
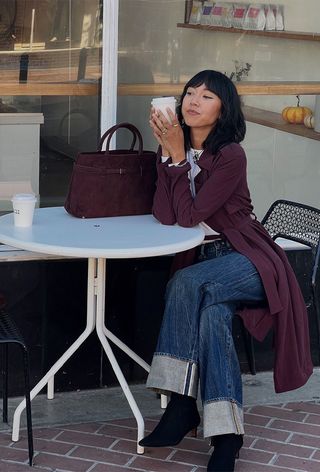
(218, 243)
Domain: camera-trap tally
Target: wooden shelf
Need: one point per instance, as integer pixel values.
(73, 89)
(150, 89)
(244, 88)
(274, 120)
(51, 89)
(299, 35)
(278, 88)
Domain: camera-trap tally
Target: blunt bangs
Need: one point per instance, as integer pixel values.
(231, 125)
(214, 81)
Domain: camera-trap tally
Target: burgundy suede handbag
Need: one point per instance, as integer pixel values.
(113, 182)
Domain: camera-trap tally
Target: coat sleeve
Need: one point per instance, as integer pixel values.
(227, 172)
(163, 201)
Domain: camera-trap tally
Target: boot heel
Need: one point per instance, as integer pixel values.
(180, 418)
(194, 433)
(226, 451)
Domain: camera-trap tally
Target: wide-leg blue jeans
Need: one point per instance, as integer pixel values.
(195, 342)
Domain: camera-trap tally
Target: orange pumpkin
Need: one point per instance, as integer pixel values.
(295, 114)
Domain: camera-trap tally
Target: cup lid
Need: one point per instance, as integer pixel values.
(163, 99)
(24, 197)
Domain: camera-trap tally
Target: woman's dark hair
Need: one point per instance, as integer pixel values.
(231, 126)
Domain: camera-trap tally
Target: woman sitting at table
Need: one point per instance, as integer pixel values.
(202, 179)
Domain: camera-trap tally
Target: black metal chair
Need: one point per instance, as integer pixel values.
(300, 223)
(9, 334)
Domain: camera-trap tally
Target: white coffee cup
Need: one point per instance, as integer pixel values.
(162, 103)
(23, 208)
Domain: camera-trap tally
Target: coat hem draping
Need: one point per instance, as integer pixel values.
(224, 204)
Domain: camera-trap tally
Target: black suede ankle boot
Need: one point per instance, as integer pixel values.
(226, 449)
(180, 417)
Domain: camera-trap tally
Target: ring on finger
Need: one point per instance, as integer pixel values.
(164, 131)
(175, 125)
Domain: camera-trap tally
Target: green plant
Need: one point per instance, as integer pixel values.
(241, 70)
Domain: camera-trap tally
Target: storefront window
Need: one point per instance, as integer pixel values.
(50, 60)
(159, 49)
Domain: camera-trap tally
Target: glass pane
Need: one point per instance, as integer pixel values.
(50, 60)
(159, 46)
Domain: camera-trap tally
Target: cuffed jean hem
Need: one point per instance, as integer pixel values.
(170, 374)
(222, 417)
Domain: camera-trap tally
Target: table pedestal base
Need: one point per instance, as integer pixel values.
(95, 320)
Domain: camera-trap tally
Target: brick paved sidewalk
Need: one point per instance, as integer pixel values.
(283, 437)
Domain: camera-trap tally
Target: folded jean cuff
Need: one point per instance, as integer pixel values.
(174, 375)
(222, 417)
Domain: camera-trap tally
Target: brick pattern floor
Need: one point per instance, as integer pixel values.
(279, 438)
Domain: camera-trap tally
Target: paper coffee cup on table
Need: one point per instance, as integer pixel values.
(162, 103)
(23, 208)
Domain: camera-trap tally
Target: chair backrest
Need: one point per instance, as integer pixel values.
(298, 222)
(293, 221)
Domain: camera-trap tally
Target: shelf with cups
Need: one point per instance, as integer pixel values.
(299, 35)
(274, 120)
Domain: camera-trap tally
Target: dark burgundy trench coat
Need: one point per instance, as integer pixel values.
(223, 201)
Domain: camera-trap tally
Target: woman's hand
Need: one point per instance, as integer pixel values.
(168, 134)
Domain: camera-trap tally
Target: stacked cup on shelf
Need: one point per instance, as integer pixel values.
(251, 16)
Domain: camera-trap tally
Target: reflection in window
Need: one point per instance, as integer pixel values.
(44, 43)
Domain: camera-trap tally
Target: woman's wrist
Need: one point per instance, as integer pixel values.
(165, 152)
(178, 157)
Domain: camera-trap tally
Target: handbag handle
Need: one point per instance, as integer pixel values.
(109, 133)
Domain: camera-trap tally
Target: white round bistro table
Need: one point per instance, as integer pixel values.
(56, 232)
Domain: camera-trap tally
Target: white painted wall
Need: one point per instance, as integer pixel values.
(109, 64)
(281, 165)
